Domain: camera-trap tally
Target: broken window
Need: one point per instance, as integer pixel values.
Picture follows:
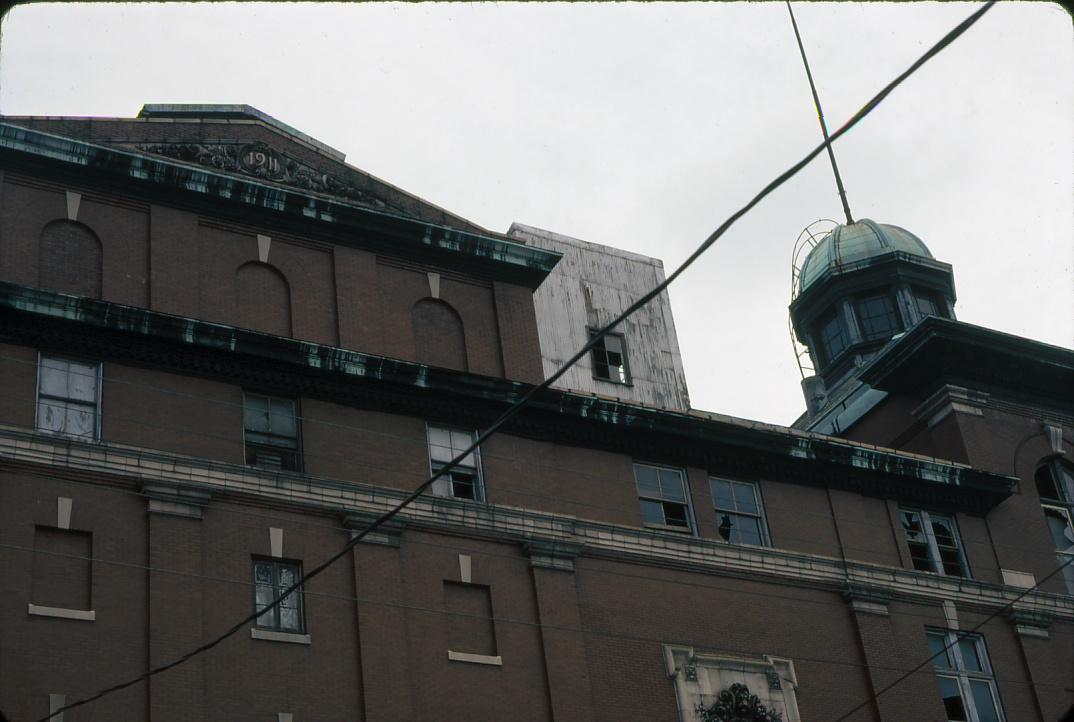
(270, 428)
(610, 359)
(68, 397)
(833, 335)
(662, 494)
(1055, 485)
(739, 514)
(934, 543)
(271, 579)
(967, 687)
(464, 480)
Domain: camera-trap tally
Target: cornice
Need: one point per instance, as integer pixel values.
(573, 538)
(720, 444)
(296, 207)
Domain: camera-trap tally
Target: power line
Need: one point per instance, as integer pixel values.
(960, 635)
(520, 622)
(515, 408)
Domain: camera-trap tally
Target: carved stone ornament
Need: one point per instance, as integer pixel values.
(259, 160)
(737, 704)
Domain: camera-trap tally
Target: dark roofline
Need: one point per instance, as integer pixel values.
(722, 444)
(338, 222)
(937, 350)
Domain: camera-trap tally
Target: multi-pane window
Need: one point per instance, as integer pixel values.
(967, 685)
(1055, 484)
(463, 481)
(662, 494)
(68, 397)
(739, 514)
(271, 579)
(877, 316)
(833, 334)
(927, 303)
(270, 428)
(934, 543)
(609, 359)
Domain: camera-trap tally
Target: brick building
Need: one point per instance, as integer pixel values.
(224, 349)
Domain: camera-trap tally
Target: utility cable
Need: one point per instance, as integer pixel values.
(959, 636)
(518, 405)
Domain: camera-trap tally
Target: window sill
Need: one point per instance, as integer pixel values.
(496, 661)
(271, 636)
(82, 615)
(673, 529)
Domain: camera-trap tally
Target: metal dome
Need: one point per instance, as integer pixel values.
(855, 242)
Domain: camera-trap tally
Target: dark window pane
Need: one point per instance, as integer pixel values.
(968, 648)
(648, 480)
(671, 485)
(952, 700)
(721, 494)
(609, 359)
(1047, 487)
(652, 512)
(877, 317)
(748, 530)
(833, 335)
(675, 514)
(944, 532)
(1059, 525)
(927, 304)
(984, 701)
(951, 562)
(745, 497)
(911, 524)
(938, 647)
(726, 527)
(919, 554)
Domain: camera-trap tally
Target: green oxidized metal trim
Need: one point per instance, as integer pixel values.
(345, 376)
(379, 229)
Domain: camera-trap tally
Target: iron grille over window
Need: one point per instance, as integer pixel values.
(271, 579)
(877, 317)
(934, 543)
(739, 514)
(662, 494)
(68, 397)
(271, 432)
(464, 481)
(967, 686)
(610, 359)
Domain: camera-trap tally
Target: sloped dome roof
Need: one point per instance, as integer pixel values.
(854, 242)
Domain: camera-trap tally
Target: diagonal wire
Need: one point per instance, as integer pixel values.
(518, 405)
(959, 636)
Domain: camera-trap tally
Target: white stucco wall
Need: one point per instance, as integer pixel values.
(587, 289)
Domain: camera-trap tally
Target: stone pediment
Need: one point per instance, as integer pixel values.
(261, 161)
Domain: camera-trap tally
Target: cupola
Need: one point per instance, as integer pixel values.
(861, 284)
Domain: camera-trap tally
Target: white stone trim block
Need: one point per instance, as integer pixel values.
(83, 615)
(271, 636)
(454, 656)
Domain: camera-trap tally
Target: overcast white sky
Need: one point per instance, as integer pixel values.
(641, 126)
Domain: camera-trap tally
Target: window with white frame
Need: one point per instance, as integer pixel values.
(663, 498)
(1055, 485)
(270, 430)
(464, 480)
(272, 578)
(967, 685)
(934, 542)
(739, 513)
(69, 397)
(610, 358)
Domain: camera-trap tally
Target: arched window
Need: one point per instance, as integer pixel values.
(1055, 484)
(69, 259)
(263, 299)
(438, 335)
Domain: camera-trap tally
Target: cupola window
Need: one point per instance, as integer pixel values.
(928, 304)
(877, 317)
(833, 335)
